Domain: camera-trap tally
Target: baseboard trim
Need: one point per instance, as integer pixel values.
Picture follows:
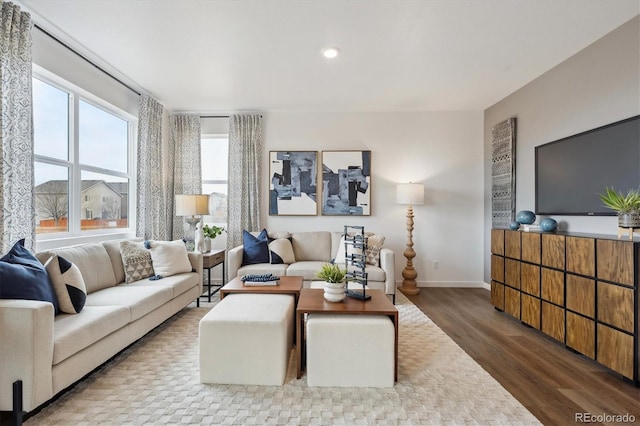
(455, 284)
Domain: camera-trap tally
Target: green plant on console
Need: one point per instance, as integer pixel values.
(621, 203)
(331, 273)
(212, 231)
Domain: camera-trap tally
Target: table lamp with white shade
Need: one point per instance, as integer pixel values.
(411, 194)
(192, 207)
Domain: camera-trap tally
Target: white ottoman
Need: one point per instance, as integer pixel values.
(246, 339)
(350, 350)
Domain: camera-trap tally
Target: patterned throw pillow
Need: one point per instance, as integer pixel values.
(136, 260)
(374, 244)
(282, 251)
(68, 284)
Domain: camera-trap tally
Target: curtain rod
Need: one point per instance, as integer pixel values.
(85, 58)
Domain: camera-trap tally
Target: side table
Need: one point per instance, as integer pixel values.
(209, 260)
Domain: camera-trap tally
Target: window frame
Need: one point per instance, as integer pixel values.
(220, 136)
(74, 233)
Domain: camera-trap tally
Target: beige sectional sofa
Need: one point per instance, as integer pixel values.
(311, 251)
(48, 352)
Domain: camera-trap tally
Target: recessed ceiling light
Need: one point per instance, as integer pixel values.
(330, 52)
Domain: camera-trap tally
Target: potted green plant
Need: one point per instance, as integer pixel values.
(210, 233)
(333, 276)
(626, 205)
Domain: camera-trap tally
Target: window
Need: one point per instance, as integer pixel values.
(215, 155)
(83, 168)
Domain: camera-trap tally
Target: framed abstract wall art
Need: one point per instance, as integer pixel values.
(346, 183)
(293, 182)
(503, 173)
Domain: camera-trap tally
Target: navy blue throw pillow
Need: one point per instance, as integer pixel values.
(256, 249)
(22, 276)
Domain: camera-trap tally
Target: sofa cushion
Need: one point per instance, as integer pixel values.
(92, 260)
(22, 276)
(139, 299)
(177, 283)
(312, 246)
(169, 257)
(113, 250)
(68, 284)
(72, 333)
(279, 270)
(256, 248)
(281, 251)
(307, 269)
(136, 261)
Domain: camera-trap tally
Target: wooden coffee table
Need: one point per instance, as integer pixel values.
(286, 285)
(312, 301)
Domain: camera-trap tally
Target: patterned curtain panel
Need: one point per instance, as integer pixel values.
(17, 217)
(155, 213)
(245, 172)
(184, 164)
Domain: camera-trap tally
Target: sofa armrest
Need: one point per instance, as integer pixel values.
(388, 265)
(234, 261)
(195, 257)
(26, 351)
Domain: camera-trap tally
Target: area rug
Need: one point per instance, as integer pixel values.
(155, 381)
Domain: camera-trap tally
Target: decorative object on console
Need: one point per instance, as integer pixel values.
(199, 238)
(627, 206)
(293, 186)
(210, 233)
(514, 226)
(410, 194)
(357, 258)
(333, 277)
(346, 180)
(503, 172)
(525, 217)
(192, 207)
(548, 224)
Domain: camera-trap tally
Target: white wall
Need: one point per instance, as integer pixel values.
(597, 86)
(442, 150)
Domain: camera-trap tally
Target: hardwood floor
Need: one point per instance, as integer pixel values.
(552, 382)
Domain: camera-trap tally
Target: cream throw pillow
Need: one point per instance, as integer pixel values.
(169, 257)
(340, 253)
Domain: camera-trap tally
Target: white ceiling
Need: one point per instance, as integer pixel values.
(247, 55)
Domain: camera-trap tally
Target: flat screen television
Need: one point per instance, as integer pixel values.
(570, 173)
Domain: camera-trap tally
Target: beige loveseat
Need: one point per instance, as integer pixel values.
(312, 250)
(48, 352)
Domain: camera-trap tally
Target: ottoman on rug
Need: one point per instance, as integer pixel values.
(350, 350)
(246, 339)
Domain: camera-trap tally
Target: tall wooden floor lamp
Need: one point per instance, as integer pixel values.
(411, 194)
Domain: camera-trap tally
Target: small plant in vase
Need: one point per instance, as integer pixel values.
(333, 277)
(626, 205)
(210, 233)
